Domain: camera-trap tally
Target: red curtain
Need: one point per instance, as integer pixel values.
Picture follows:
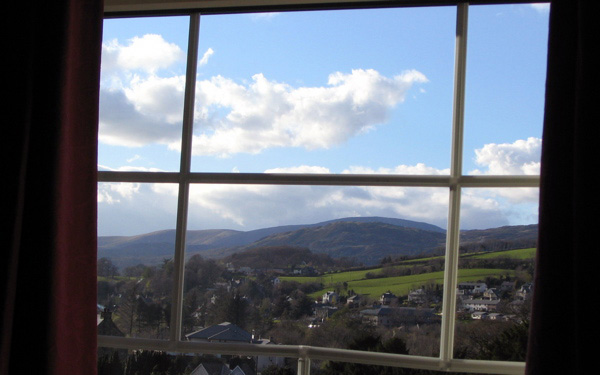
(48, 273)
(562, 329)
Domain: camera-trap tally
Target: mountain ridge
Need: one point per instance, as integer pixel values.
(367, 239)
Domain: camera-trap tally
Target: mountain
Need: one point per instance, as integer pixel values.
(367, 239)
(368, 242)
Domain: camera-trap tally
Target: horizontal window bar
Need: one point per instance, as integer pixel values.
(309, 352)
(319, 179)
(117, 8)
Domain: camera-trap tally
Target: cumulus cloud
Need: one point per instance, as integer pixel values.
(234, 118)
(256, 206)
(521, 157)
(112, 193)
(266, 114)
(138, 107)
(123, 123)
(148, 53)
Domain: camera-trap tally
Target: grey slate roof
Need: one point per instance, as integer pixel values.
(221, 332)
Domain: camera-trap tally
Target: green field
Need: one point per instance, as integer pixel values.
(401, 285)
(514, 254)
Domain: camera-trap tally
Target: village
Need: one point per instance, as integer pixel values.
(263, 307)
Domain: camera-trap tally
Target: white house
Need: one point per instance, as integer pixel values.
(468, 288)
(330, 297)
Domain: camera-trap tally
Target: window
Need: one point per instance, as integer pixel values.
(347, 124)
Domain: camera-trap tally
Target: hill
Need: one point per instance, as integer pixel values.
(279, 257)
(367, 240)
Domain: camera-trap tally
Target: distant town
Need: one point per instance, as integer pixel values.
(394, 306)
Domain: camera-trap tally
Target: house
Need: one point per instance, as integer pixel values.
(229, 332)
(218, 368)
(469, 288)
(496, 316)
(525, 291)
(471, 304)
(222, 332)
(417, 296)
(491, 293)
(322, 312)
(387, 298)
(243, 369)
(330, 297)
(378, 317)
(211, 368)
(353, 301)
(107, 327)
(507, 286)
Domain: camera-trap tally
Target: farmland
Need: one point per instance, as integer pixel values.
(373, 282)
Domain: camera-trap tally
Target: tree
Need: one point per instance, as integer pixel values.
(510, 345)
(369, 342)
(107, 268)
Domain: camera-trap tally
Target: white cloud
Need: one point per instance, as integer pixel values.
(253, 206)
(112, 193)
(138, 110)
(266, 114)
(204, 60)
(521, 157)
(121, 123)
(148, 53)
(299, 169)
(418, 169)
(246, 207)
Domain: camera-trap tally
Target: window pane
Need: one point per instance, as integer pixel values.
(327, 91)
(141, 93)
(496, 273)
(135, 258)
(506, 75)
(341, 267)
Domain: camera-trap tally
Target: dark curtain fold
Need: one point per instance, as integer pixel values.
(48, 273)
(563, 325)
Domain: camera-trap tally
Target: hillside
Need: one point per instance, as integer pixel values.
(279, 257)
(367, 240)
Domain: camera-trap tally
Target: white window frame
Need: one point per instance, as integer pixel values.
(184, 178)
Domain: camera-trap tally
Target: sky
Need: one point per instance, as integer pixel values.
(356, 91)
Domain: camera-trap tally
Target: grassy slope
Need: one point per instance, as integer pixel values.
(401, 285)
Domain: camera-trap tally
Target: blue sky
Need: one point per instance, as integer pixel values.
(366, 91)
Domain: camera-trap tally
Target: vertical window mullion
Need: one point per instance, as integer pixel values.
(184, 173)
(452, 236)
